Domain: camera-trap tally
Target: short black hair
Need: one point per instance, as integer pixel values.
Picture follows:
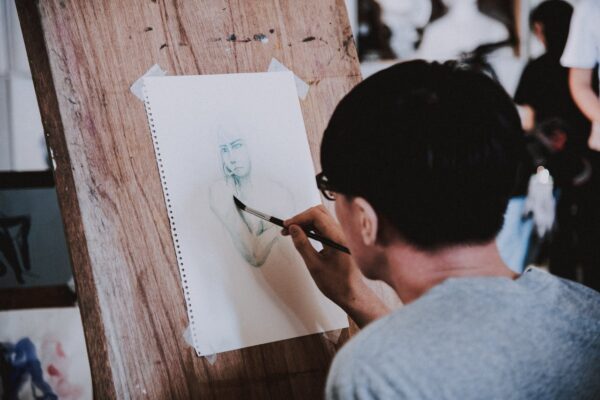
(433, 147)
(555, 17)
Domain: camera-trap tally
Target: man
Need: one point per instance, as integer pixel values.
(421, 159)
(581, 55)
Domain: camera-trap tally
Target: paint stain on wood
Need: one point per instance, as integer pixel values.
(271, 30)
(308, 39)
(260, 37)
(163, 46)
(231, 38)
(346, 45)
(148, 29)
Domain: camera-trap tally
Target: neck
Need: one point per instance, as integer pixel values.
(412, 272)
(239, 183)
(466, 8)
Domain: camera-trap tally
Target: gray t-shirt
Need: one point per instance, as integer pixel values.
(536, 337)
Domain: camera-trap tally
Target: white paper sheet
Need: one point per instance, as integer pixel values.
(216, 135)
(54, 337)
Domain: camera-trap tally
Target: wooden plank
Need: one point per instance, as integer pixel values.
(84, 56)
(39, 62)
(36, 297)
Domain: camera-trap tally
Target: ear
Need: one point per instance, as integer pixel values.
(367, 220)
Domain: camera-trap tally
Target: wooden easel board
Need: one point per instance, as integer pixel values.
(84, 56)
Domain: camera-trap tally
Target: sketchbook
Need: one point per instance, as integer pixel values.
(216, 136)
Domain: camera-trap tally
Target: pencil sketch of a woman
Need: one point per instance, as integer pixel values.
(252, 237)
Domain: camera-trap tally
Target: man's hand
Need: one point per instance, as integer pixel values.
(335, 273)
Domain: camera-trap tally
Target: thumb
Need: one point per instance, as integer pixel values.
(301, 243)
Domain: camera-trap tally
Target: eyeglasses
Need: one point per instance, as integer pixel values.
(323, 185)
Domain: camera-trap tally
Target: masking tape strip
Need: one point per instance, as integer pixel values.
(333, 336)
(301, 86)
(138, 86)
(187, 336)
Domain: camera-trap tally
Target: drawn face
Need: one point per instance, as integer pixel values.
(235, 158)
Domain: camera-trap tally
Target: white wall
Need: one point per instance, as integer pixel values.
(352, 7)
(22, 145)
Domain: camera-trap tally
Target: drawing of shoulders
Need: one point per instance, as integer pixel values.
(281, 196)
(218, 194)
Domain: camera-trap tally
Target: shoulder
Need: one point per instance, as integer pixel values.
(359, 372)
(536, 64)
(494, 27)
(387, 358)
(279, 190)
(282, 198)
(532, 73)
(218, 193)
(217, 187)
(428, 348)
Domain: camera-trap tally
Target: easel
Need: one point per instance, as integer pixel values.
(84, 55)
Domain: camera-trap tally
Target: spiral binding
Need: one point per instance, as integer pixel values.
(182, 271)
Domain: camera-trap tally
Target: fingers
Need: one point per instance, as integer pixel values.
(317, 217)
(302, 244)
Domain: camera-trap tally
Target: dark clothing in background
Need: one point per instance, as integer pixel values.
(544, 86)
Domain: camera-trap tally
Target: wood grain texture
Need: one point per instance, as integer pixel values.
(84, 55)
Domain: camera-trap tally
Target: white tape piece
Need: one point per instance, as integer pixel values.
(211, 358)
(71, 285)
(301, 86)
(138, 86)
(187, 336)
(52, 158)
(333, 336)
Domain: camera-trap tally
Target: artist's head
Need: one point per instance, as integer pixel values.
(424, 155)
(550, 22)
(233, 151)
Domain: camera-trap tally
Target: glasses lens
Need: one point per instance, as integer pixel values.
(322, 184)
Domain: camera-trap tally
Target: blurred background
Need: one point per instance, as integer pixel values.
(32, 243)
(497, 37)
(493, 31)
(552, 221)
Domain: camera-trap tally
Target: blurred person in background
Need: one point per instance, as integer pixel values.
(581, 55)
(561, 130)
(543, 90)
